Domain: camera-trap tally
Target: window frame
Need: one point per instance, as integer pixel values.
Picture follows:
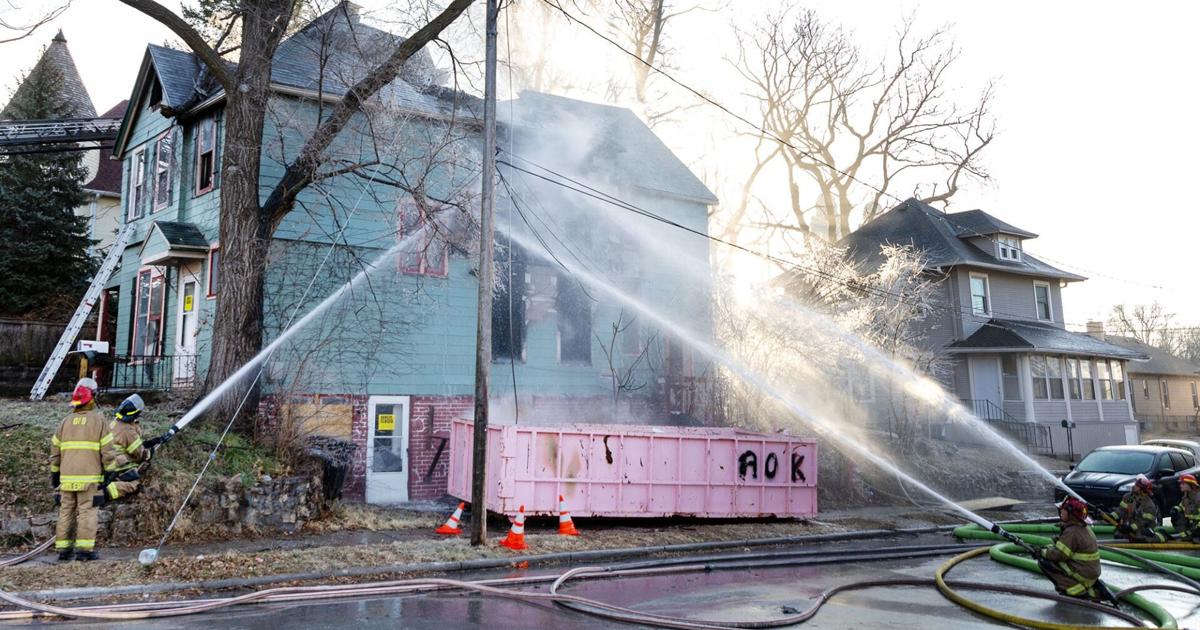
(1117, 372)
(1049, 378)
(137, 185)
(153, 271)
(212, 177)
(1104, 376)
(1145, 389)
(209, 293)
(1087, 382)
(155, 205)
(1195, 396)
(1037, 311)
(1165, 390)
(1015, 376)
(1008, 248)
(987, 293)
(423, 268)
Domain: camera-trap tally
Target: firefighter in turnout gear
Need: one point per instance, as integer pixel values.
(1138, 514)
(127, 440)
(1072, 562)
(81, 450)
(1186, 516)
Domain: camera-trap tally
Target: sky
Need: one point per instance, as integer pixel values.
(1096, 111)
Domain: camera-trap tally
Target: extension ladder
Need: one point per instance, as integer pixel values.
(81, 314)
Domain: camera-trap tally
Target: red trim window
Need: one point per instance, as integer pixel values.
(149, 296)
(164, 150)
(427, 254)
(206, 155)
(137, 184)
(214, 271)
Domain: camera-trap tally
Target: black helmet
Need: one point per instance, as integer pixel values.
(130, 409)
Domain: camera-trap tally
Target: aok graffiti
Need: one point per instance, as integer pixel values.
(748, 462)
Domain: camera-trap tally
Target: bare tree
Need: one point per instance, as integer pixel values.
(15, 28)
(1148, 323)
(248, 222)
(849, 130)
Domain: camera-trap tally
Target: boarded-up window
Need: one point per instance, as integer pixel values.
(574, 308)
(508, 302)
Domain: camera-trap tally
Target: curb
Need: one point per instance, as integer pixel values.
(76, 593)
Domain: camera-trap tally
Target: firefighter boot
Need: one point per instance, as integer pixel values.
(65, 554)
(86, 556)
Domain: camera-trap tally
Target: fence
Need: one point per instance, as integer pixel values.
(24, 348)
(141, 373)
(1168, 426)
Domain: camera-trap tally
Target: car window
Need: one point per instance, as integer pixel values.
(1123, 462)
(1189, 460)
(1178, 461)
(1165, 466)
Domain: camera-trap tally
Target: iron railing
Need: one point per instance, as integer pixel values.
(141, 373)
(1036, 437)
(1163, 424)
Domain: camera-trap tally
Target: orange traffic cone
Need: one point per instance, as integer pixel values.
(516, 533)
(451, 528)
(566, 527)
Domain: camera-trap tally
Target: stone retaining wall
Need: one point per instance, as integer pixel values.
(221, 506)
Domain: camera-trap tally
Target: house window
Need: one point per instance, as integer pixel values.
(137, 185)
(1118, 375)
(1166, 395)
(980, 299)
(1085, 378)
(214, 271)
(1041, 300)
(1145, 389)
(1047, 377)
(1009, 247)
(1104, 375)
(206, 155)
(574, 308)
(1079, 375)
(1195, 396)
(1073, 379)
(148, 318)
(1011, 377)
(426, 252)
(508, 303)
(164, 152)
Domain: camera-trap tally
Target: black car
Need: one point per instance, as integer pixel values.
(1106, 474)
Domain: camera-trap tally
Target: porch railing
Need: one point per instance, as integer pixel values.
(141, 373)
(1035, 437)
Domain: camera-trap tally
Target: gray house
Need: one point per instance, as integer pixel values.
(1013, 361)
(1165, 391)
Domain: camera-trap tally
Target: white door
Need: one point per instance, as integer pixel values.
(185, 326)
(985, 380)
(387, 449)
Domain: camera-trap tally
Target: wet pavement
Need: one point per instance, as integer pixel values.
(727, 595)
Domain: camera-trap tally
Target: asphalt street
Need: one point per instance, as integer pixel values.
(726, 595)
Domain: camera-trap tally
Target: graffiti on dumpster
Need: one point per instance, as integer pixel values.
(748, 462)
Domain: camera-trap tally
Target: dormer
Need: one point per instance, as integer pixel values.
(1008, 247)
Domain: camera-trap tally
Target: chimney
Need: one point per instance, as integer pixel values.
(1095, 328)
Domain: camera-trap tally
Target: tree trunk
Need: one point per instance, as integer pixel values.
(245, 232)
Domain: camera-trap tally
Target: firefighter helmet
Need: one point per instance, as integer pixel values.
(131, 408)
(1075, 508)
(1189, 479)
(85, 392)
(1143, 484)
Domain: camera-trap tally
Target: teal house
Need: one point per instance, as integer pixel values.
(391, 363)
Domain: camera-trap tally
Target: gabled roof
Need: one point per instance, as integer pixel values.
(1161, 362)
(327, 56)
(108, 173)
(999, 335)
(942, 239)
(70, 90)
(619, 143)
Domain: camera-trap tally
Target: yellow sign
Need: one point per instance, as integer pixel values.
(387, 422)
(187, 304)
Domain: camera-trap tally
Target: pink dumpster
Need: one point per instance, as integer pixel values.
(652, 471)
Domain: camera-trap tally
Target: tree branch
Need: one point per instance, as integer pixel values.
(195, 41)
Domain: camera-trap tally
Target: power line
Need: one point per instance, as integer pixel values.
(773, 136)
(589, 191)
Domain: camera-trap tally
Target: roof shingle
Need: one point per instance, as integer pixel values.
(1007, 334)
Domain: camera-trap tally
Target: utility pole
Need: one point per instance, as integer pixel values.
(483, 329)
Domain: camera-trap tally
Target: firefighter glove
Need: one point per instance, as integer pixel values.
(129, 475)
(54, 480)
(152, 443)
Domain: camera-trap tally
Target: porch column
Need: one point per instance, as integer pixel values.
(1026, 386)
(1066, 381)
(1128, 386)
(1096, 388)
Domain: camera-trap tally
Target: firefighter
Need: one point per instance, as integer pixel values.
(127, 440)
(1138, 514)
(1072, 562)
(1186, 516)
(81, 451)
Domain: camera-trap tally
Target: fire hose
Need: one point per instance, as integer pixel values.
(506, 588)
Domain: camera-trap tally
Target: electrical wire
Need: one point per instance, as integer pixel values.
(773, 136)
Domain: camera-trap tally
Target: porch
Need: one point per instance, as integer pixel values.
(134, 373)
